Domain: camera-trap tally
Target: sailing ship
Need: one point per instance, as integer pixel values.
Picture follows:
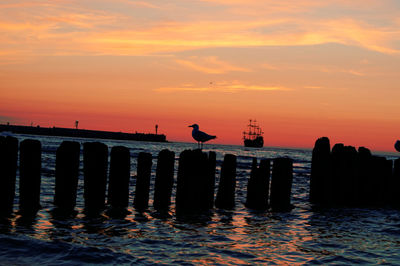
(253, 137)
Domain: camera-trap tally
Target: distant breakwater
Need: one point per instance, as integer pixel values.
(82, 133)
(106, 179)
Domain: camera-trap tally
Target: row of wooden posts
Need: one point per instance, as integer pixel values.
(344, 176)
(195, 179)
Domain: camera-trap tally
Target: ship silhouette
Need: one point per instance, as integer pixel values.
(253, 137)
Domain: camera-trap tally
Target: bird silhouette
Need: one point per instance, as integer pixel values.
(200, 136)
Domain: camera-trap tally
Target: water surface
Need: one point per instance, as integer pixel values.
(239, 236)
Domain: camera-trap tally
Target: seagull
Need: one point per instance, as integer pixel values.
(200, 136)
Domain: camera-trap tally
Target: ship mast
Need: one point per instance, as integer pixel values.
(255, 127)
(250, 130)
(253, 130)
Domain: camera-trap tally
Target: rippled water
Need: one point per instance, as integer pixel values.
(240, 236)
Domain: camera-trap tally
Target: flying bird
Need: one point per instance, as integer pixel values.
(200, 136)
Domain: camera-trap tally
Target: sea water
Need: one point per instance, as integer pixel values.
(235, 237)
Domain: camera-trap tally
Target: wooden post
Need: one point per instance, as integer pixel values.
(8, 172)
(251, 200)
(210, 187)
(396, 184)
(281, 184)
(344, 163)
(95, 161)
(182, 187)
(67, 173)
(141, 201)
(379, 178)
(196, 177)
(258, 185)
(201, 189)
(185, 195)
(364, 178)
(164, 180)
(321, 172)
(188, 172)
(29, 176)
(195, 183)
(349, 176)
(387, 182)
(337, 173)
(119, 175)
(227, 183)
(374, 190)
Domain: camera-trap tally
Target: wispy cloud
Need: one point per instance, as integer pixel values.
(313, 87)
(341, 70)
(144, 4)
(210, 65)
(225, 87)
(175, 37)
(356, 73)
(269, 66)
(85, 21)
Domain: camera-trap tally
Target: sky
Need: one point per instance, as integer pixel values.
(302, 70)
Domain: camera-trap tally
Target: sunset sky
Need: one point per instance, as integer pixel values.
(303, 70)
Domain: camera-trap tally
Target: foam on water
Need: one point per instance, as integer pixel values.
(240, 236)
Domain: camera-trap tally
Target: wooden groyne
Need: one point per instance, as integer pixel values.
(195, 188)
(348, 177)
(82, 133)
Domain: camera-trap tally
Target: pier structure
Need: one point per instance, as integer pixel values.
(82, 133)
(195, 182)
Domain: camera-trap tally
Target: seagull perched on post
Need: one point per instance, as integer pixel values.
(200, 136)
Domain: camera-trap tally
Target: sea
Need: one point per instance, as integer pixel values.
(241, 236)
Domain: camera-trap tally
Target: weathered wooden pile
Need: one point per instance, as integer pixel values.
(344, 176)
(106, 185)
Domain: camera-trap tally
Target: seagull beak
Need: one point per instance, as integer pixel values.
(190, 126)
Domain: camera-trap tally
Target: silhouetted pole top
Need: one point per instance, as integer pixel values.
(397, 145)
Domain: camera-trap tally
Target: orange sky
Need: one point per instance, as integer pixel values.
(303, 70)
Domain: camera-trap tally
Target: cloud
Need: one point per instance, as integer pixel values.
(313, 87)
(210, 65)
(297, 5)
(340, 70)
(84, 21)
(356, 73)
(175, 37)
(129, 30)
(225, 87)
(139, 4)
(269, 67)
